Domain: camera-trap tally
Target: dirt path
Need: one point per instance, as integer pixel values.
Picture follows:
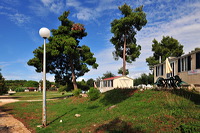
(8, 124)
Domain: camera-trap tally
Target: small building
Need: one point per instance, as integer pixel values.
(115, 82)
(187, 67)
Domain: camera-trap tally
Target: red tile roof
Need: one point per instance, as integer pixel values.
(111, 78)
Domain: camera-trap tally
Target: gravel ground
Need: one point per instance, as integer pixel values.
(8, 124)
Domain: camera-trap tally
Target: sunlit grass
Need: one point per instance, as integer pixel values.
(134, 111)
(38, 95)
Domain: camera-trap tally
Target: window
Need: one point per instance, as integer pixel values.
(159, 70)
(198, 60)
(189, 63)
(184, 64)
(172, 66)
(179, 65)
(108, 83)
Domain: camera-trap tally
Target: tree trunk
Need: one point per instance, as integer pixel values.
(124, 57)
(73, 75)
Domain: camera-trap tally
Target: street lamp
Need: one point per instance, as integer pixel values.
(44, 33)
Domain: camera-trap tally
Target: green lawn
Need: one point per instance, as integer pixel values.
(148, 111)
(38, 95)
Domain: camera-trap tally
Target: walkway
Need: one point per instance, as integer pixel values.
(8, 124)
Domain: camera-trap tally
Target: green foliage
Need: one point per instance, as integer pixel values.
(108, 75)
(62, 88)
(67, 59)
(120, 71)
(83, 85)
(93, 94)
(76, 92)
(19, 89)
(166, 48)
(31, 84)
(135, 111)
(90, 82)
(144, 79)
(3, 88)
(48, 84)
(124, 30)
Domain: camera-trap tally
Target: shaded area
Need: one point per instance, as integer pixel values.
(192, 96)
(60, 117)
(118, 126)
(6, 97)
(116, 96)
(5, 129)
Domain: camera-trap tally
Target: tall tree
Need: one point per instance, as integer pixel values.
(3, 88)
(124, 30)
(66, 58)
(166, 48)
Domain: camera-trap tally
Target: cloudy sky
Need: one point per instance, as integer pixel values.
(20, 21)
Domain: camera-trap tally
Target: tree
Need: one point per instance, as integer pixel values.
(90, 82)
(120, 71)
(166, 48)
(144, 79)
(124, 30)
(108, 75)
(31, 83)
(66, 58)
(3, 88)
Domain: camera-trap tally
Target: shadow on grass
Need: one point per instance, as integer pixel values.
(59, 117)
(10, 97)
(116, 96)
(61, 97)
(192, 96)
(118, 126)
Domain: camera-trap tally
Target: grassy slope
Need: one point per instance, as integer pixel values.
(148, 111)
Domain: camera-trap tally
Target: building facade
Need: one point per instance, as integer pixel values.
(115, 82)
(187, 67)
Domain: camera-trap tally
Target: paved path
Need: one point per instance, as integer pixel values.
(8, 124)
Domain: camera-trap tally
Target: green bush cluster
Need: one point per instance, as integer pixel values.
(62, 88)
(19, 89)
(76, 92)
(93, 94)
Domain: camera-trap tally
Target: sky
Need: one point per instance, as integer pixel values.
(20, 21)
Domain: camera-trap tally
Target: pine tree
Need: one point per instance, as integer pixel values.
(166, 48)
(3, 88)
(124, 30)
(66, 58)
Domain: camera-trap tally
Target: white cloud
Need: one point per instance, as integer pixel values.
(47, 2)
(86, 14)
(73, 3)
(90, 13)
(19, 19)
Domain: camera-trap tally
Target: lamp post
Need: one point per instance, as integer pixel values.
(44, 33)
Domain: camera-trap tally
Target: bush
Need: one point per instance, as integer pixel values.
(62, 88)
(19, 89)
(76, 92)
(93, 94)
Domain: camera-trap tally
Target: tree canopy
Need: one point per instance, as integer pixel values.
(3, 88)
(66, 58)
(144, 79)
(108, 75)
(124, 30)
(166, 48)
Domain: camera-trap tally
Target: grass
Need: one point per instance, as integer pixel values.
(134, 111)
(38, 95)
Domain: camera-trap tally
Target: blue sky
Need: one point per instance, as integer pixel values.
(22, 19)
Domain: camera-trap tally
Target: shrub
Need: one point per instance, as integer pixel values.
(93, 93)
(19, 89)
(62, 88)
(76, 92)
